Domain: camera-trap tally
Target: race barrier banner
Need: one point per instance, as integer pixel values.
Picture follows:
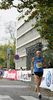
(47, 80)
(18, 75)
(11, 75)
(4, 74)
(23, 75)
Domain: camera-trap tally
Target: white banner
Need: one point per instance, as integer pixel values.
(52, 81)
(4, 74)
(47, 80)
(23, 75)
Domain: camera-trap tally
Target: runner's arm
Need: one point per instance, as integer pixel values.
(32, 64)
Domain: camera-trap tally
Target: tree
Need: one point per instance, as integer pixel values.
(6, 4)
(3, 55)
(4, 52)
(43, 12)
(12, 54)
(10, 29)
(48, 54)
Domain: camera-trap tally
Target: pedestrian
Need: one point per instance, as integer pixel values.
(10, 69)
(1, 73)
(13, 69)
(50, 65)
(21, 69)
(7, 69)
(38, 63)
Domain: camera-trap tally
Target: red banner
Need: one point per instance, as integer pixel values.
(11, 75)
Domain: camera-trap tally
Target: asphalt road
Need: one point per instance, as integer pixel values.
(17, 90)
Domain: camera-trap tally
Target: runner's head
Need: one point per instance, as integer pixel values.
(38, 53)
(1, 66)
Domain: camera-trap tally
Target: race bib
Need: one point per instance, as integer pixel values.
(39, 64)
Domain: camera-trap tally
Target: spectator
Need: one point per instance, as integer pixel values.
(1, 73)
(21, 69)
(13, 69)
(10, 69)
(50, 65)
(7, 69)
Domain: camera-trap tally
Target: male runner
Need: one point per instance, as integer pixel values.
(1, 73)
(38, 63)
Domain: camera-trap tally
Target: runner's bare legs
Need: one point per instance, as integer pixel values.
(38, 81)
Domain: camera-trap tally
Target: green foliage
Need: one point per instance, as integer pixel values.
(43, 12)
(48, 54)
(20, 17)
(4, 52)
(6, 4)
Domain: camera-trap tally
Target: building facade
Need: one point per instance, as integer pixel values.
(26, 36)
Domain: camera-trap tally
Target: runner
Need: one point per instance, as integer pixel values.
(1, 73)
(37, 64)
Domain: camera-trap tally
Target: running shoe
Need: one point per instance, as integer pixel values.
(39, 96)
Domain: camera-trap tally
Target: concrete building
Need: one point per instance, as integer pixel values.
(26, 36)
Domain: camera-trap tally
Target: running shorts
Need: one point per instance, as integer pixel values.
(40, 74)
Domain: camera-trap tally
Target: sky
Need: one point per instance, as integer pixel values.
(7, 16)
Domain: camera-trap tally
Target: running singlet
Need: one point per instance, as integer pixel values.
(37, 64)
(1, 71)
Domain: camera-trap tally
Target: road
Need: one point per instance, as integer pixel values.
(17, 90)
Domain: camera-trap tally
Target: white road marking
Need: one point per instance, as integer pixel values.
(28, 98)
(33, 98)
(13, 86)
(51, 98)
(3, 97)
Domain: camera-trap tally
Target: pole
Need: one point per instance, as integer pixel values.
(8, 61)
(5, 57)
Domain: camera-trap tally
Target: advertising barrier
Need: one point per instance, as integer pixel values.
(11, 75)
(18, 75)
(4, 74)
(47, 80)
(23, 75)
